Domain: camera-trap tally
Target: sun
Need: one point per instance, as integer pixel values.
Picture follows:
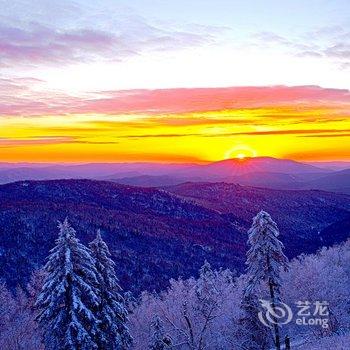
(240, 152)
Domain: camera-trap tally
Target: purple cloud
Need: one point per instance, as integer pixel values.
(331, 43)
(36, 43)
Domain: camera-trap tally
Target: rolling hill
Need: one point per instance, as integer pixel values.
(301, 214)
(260, 172)
(153, 235)
(108, 171)
(157, 234)
(336, 182)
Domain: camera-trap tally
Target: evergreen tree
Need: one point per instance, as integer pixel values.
(206, 291)
(265, 259)
(112, 312)
(159, 340)
(130, 301)
(69, 297)
(253, 335)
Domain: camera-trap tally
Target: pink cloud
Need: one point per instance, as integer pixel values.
(17, 98)
(204, 99)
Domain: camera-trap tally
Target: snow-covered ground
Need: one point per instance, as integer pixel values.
(338, 342)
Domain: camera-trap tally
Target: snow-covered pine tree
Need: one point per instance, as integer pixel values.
(252, 334)
(113, 332)
(69, 297)
(265, 259)
(206, 291)
(159, 340)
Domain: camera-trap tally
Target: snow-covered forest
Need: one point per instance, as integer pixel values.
(75, 301)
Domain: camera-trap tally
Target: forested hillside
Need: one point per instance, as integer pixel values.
(155, 235)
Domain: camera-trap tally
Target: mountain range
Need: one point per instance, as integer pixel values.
(259, 172)
(156, 234)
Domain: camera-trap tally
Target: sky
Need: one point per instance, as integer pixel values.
(174, 81)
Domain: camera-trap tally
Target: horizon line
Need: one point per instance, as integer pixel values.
(199, 162)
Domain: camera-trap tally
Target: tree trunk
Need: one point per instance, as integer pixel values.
(276, 329)
(287, 342)
(275, 321)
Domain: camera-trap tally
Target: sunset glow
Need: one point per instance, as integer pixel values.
(133, 87)
(174, 174)
(190, 125)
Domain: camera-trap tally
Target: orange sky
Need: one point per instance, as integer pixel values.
(179, 125)
(165, 81)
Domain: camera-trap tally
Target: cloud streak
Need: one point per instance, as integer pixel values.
(329, 42)
(328, 135)
(47, 140)
(317, 132)
(19, 97)
(35, 43)
(38, 44)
